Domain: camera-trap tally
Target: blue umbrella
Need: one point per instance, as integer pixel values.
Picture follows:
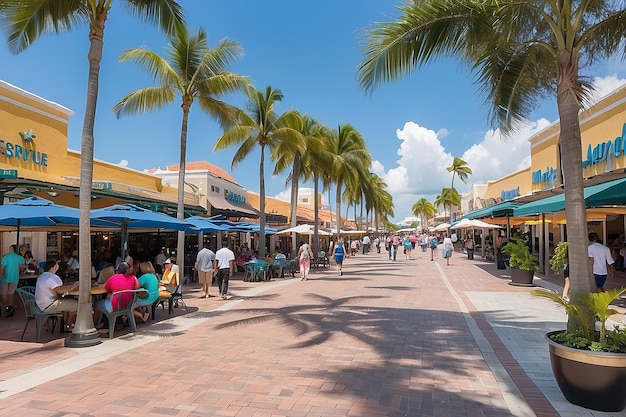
(130, 216)
(204, 225)
(38, 212)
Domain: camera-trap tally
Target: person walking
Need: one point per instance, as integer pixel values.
(224, 264)
(305, 254)
(395, 241)
(204, 267)
(601, 261)
(338, 255)
(447, 249)
(388, 246)
(408, 247)
(432, 244)
(377, 244)
(469, 245)
(14, 265)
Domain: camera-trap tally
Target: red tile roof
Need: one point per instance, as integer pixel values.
(201, 166)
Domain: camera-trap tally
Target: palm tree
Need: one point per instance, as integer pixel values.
(460, 169)
(521, 51)
(26, 21)
(264, 127)
(350, 155)
(449, 197)
(292, 154)
(193, 71)
(423, 209)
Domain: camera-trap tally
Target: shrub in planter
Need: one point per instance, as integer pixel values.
(520, 256)
(588, 364)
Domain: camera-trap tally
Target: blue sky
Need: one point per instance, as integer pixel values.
(309, 50)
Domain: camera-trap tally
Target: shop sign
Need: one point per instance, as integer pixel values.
(23, 152)
(507, 195)
(547, 177)
(8, 173)
(235, 198)
(606, 151)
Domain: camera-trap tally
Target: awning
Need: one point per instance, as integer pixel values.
(219, 205)
(497, 210)
(608, 193)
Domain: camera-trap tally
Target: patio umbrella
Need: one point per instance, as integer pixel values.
(130, 216)
(204, 225)
(38, 212)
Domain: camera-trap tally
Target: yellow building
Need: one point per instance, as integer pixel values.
(534, 197)
(35, 160)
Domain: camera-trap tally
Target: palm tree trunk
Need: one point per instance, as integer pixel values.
(262, 204)
(338, 208)
(180, 206)
(85, 333)
(295, 174)
(316, 216)
(581, 277)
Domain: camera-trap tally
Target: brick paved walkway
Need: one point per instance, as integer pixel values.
(405, 338)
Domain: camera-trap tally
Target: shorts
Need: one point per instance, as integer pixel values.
(62, 304)
(205, 276)
(8, 287)
(447, 253)
(600, 280)
(339, 258)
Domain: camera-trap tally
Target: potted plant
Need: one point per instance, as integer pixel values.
(588, 360)
(522, 263)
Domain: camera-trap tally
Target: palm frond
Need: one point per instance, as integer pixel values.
(144, 100)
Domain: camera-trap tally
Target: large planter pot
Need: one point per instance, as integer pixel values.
(594, 380)
(522, 277)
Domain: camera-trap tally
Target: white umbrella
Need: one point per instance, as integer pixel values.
(463, 224)
(304, 229)
(484, 225)
(441, 227)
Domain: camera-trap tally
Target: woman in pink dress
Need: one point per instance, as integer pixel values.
(305, 254)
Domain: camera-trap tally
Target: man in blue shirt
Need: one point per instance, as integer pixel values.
(13, 264)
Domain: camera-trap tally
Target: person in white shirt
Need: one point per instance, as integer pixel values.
(224, 264)
(49, 292)
(601, 261)
(204, 266)
(448, 247)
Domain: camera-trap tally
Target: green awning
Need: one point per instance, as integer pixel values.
(608, 193)
(497, 210)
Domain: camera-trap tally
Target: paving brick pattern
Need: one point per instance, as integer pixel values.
(385, 339)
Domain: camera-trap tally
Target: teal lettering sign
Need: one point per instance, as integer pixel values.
(547, 177)
(507, 195)
(606, 151)
(24, 153)
(235, 198)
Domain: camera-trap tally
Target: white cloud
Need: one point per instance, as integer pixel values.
(123, 163)
(605, 85)
(284, 195)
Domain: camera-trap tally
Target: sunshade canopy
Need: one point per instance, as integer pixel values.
(497, 210)
(134, 217)
(204, 225)
(608, 193)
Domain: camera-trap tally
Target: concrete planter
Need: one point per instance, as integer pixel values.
(522, 277)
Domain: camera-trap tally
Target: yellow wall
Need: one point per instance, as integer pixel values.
(507, 183)
(21, 111)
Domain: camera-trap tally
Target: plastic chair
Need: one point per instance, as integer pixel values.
(322, 259)
(261, 267)
(32, 311)
(123, 309)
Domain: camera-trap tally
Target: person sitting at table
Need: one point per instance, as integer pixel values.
(72, 263)
(282, 260)
(106, 273)
(50, 291)
(123, 280)
(149, 282)
(31, 263)
(169, 278)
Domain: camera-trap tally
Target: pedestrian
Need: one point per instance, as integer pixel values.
(204, 267)
(395, 241)
(601, 261)
(305, 254)
(422, 241)
(408, 246)
(366, 245)
(448, 247)
(338, 255)
(353, 247)
(469, 245)
(388, 246)
(159, 260)
(13, 264)
(377, 244)
(432, 244)
(224, 264)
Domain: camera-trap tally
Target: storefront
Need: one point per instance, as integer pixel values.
(35, 160)
(537, 193)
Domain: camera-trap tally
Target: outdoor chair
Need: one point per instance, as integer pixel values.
(32, 311)
(261, 268)
(321, 259)
(124, 308)
(278, 267)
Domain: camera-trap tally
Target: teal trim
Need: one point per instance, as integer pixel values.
(497, 210)
(608, 193)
